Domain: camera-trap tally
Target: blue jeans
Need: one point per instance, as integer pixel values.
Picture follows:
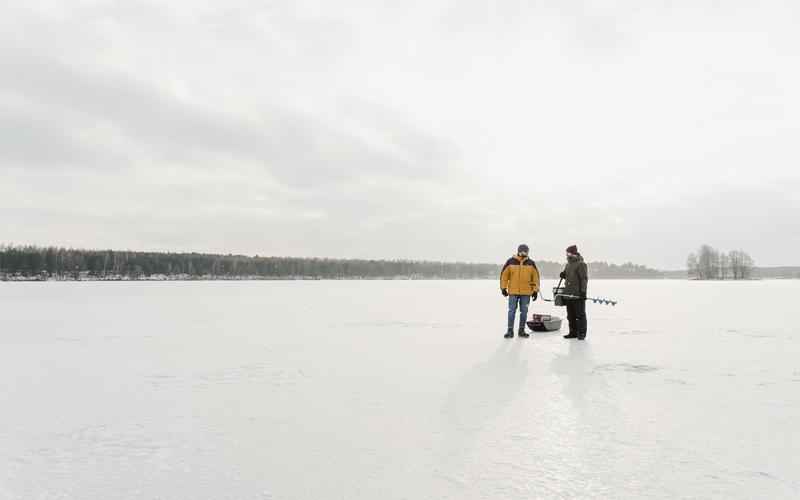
(523, 301)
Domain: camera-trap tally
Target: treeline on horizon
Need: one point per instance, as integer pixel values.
(70, 263)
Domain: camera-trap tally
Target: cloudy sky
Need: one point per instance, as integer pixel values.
(443, 129)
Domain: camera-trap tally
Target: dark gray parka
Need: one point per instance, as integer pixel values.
(577, 276)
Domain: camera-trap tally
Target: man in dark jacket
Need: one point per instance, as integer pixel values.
(576, 280)
(519, 281)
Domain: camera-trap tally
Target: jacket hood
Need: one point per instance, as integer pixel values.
(576, 258)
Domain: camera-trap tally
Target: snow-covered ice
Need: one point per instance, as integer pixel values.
(395, 389)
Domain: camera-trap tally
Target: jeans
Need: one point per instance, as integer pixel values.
(576, 315)
(523, 301)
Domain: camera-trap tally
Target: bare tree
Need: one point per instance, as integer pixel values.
(724, 266)
(706, 263)
(747, 266)
(735, 258)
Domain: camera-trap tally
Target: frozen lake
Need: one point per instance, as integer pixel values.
(395, 389)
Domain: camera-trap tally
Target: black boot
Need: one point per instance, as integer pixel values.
(509, 334)
(571, 336)
(522, 333)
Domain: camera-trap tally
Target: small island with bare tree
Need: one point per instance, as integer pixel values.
(708, 263)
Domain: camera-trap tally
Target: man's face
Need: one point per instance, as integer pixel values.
(523, 253)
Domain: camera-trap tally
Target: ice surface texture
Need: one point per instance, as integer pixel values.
(391, 390)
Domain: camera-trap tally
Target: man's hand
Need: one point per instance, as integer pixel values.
(563, 275)
(504, 291)
(535, 295)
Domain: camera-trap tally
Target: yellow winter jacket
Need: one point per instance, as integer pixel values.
(520, 276)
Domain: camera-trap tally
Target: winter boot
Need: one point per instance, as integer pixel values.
(509, 334)
(571, 336)
(522, 333)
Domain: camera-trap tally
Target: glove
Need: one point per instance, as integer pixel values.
(535, 295)
(563, 275)
(504, 291)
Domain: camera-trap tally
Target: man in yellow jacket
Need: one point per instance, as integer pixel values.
(519, 281)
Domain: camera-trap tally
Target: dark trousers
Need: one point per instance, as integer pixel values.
(576, 315)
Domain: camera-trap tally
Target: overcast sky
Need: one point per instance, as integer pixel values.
(443, 129)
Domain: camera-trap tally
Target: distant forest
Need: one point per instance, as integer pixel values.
(42, 263)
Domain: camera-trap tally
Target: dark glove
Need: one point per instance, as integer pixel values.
(504, 291)
(563, 275)
(535, 295)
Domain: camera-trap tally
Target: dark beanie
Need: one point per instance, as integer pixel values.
(523, 248)
(573, 249)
